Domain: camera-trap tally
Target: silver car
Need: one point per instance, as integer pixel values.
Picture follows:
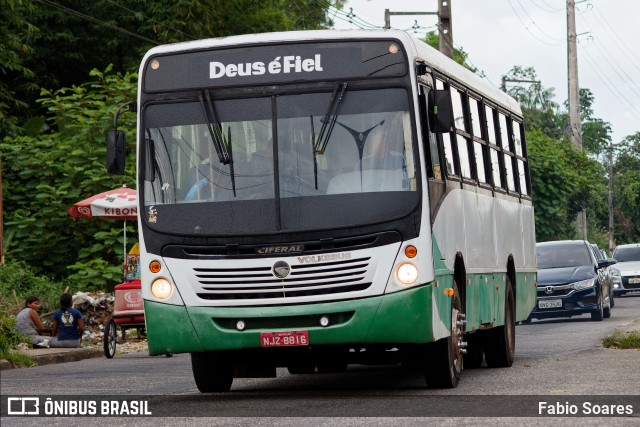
(625, 275)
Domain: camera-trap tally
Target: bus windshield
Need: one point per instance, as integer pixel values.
(334, 162)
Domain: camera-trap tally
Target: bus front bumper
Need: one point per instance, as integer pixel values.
(397, 318)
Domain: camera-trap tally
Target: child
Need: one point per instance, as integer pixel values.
(67, 324)
(28, 323)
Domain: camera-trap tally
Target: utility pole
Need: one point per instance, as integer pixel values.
(445, 33)
(612, 243)
(575, 129)
(445, 30)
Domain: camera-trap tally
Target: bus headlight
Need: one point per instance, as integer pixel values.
(407, 273)
(161, 288)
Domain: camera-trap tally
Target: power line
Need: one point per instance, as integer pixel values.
(95, 20)
(350, 17)
(593, 64)
(527, 27)
(621, 45)
(550, 9)
(618, 69)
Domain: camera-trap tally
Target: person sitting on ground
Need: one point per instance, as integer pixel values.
(68, 324)
(28, 323)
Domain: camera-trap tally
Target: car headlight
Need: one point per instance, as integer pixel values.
(614, 272)
(584, 284)
(407, 273)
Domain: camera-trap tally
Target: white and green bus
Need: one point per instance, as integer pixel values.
(316, 199)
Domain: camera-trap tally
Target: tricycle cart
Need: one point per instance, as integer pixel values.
(128, 313)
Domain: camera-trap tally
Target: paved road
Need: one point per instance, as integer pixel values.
(554, 357)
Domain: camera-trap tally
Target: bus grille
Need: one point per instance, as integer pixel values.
(304, 280)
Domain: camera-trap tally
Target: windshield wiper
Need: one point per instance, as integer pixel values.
(328, 122)
(215, 129)
(231, 170)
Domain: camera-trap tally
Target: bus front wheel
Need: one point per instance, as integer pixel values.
(443, 361)
(212, 371)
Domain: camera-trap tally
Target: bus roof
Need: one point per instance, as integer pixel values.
(416, 49)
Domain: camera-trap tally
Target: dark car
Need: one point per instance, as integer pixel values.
(626, 274)
(601, 254)
(571, 281)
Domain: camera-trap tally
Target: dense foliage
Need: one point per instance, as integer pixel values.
(566, 180)
(64, 75)
(50, 45)
(47, 173)
(55, 108)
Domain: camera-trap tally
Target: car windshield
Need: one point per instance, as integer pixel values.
(562, 255)
(627, 254)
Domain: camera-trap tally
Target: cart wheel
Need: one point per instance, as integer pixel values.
(110, 335)
(168, 354)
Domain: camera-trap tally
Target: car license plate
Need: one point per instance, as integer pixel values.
(284, 339)
(634, 280)
(552, 303)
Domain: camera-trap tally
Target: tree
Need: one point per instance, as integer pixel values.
(17, 81)
(626, 180)
(459, 55)
(47, 173)
(56, 44)
(539, 110)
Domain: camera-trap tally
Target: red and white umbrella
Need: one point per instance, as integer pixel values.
(120, 203)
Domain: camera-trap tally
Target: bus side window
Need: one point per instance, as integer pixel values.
(448, 154)
(495, 168)
(463, 152)
(435, 156)
(458, 111)
(430, 138)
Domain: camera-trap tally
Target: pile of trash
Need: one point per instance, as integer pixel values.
(96, 308)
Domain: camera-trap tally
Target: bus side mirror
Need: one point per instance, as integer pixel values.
(440, 111)
(116, 142)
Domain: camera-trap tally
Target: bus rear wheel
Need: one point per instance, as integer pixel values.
(444, 357)
(500, 347)
(212, 371)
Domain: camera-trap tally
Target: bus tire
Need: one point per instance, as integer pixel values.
(473, 358)
(213, 371)
(500, 346)
(443, 361)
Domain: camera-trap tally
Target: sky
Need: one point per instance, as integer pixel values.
(498, 34)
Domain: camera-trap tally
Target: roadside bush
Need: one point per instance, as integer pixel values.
(18, 281)
(9, 339)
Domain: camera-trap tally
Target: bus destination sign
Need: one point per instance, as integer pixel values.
(272, 64)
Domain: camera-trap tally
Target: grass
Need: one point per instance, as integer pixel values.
(623, 340)
(16, 358)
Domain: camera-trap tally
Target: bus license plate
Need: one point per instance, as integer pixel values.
(554, 303)
(284, 339)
